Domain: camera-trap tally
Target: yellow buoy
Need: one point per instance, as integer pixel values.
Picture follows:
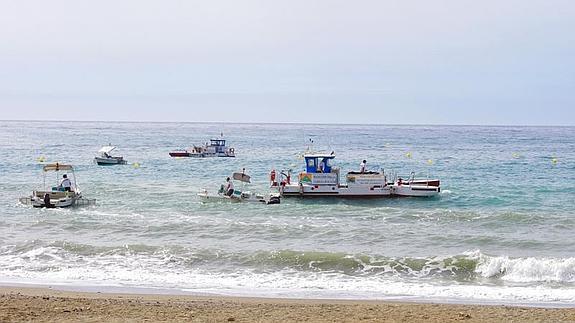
(136, 165)
(41, 159)
(515, 155)
(554, 161)
(430, 162)
(408, 155)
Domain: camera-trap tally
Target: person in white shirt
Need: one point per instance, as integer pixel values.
(230, 187)
(363, 166)
(65, 183)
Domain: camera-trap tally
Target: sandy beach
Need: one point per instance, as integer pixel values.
(19, 304)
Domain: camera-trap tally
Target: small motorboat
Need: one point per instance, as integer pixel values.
(215, 148)
(105, 159)
(66, 193)
(322, 179)
(240, 196)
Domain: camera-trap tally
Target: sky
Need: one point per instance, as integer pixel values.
(486, 62)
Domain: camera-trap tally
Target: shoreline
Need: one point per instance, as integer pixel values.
(155, 291)
(52, 304)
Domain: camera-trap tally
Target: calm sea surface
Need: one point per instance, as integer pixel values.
(502, 230)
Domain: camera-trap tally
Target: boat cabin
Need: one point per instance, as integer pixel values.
(218, 144)
(318, 163)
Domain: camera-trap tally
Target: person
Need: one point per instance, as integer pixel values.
(363, 166)
(229, 187)
(47, 203)
(321, 166)
(65, 183)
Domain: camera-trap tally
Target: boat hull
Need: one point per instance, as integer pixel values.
(242, 197)
(350, 191)
(110, 161)
(341, 191)
(58, 203)
(179, 154)
(415, 190)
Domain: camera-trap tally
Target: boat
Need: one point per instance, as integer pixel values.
(106, 159)
(240, 195)
(215, 148)
(322, 179)
(57, 196)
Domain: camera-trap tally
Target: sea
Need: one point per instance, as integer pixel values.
(502, 231)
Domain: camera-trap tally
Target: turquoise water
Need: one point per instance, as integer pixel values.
(501, 231)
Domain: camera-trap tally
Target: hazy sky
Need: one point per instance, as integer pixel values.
(430, 62)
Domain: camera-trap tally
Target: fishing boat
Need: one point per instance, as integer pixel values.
(323, 179)
(240, 195)
(64, 194)
(215, 148)
(106, 159)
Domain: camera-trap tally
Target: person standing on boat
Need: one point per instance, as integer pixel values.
(65, 183)
(363, 166)
(229, 187)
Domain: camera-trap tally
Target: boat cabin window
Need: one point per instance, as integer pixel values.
(318, 164)
(218, 142)
(310, 165)
(326, 165)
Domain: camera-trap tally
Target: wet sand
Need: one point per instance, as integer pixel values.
(18, 304)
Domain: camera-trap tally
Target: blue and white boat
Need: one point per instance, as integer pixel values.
(321, 178)
(215, 148)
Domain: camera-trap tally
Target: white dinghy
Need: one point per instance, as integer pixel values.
(105, 159)
(235, 195)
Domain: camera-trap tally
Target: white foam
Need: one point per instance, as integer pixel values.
(528, 270)
(51, 265)
(157, 273)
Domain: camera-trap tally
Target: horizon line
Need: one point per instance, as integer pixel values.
(297, 123)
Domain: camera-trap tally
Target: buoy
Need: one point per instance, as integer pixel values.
(515, 155)
(554, 161)
(136, 165)
(430, 162)
(41, 159)
(408, 155)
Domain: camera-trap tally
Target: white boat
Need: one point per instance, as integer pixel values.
(57, 196)
(106, 159)
(215, 148)
(240, 195)
(322, 179)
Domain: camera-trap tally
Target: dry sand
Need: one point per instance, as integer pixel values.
(46, 305)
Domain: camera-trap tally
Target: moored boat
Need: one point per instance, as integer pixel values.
(66, 193)
(215, 148)
(322, 179)
(106, 159)
(235, 195)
